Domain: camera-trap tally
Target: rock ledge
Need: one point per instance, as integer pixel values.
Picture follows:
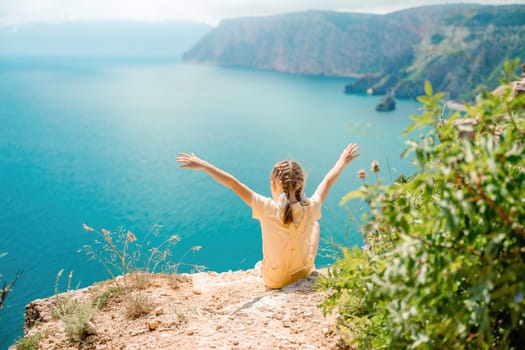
(231, 310)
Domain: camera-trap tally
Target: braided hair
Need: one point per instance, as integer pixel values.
(291, 177)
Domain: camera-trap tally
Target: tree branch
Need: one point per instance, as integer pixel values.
(7, 288)
(508, 219)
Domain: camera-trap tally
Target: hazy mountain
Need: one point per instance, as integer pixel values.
(106, 38)
(457, 47)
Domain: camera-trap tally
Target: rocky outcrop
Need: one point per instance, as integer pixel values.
(387, 104)
(231, 310)
(519, 86)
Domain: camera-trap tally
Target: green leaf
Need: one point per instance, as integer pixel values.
(439, 96)
(428, 88)
(409, 129)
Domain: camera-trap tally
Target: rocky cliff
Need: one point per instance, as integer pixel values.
(320, 43)
(459, 48)
(231, 310)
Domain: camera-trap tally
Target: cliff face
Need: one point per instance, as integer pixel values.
(319, 43)
(456, 47)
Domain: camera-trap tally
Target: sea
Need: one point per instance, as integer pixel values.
(93, 141)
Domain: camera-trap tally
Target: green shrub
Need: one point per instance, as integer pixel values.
(63, 303)
(29, 342)
(75, 314)
(446, 260)
(77, 321)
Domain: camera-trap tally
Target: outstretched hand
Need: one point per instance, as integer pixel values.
(349, 153)
(190, 161)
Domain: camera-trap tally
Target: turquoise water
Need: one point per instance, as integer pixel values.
(94, 141)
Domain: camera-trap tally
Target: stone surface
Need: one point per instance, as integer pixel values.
(233, 310)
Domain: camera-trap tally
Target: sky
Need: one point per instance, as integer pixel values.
(17, 12)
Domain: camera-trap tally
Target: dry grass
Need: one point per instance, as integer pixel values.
(138, 304)
(138, 280)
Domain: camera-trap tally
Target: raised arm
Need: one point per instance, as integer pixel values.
(195, 163)
(348, 155)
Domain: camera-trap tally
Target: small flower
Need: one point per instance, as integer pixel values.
(366, 247)
(175, 238)
(361, 173)
(196, 248)
(131, 237)
(107, 234)
(374, 167)
(518, 298)
(87, 228)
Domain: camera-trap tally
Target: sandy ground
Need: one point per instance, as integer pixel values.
(232, 310)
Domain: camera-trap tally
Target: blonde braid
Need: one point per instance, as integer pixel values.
(291, 176)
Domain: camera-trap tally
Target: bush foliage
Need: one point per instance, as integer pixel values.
(444, 259)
